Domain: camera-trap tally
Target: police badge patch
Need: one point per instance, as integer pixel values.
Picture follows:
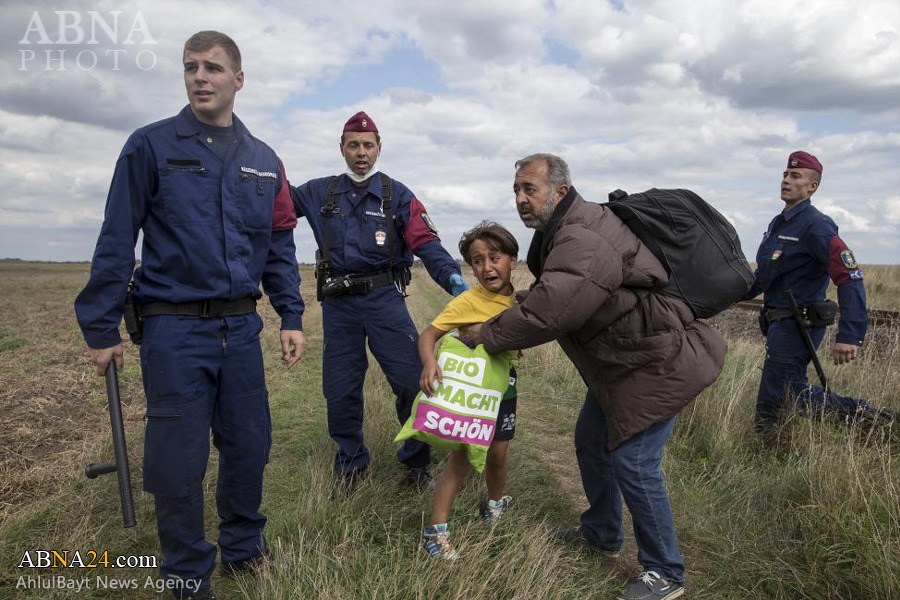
(847, 259)
(428, 223)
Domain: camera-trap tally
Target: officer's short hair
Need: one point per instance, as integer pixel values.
(496, 236)
(204, 41)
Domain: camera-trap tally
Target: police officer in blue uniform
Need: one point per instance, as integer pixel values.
(368, 227)
(800, 251)
(214, 206)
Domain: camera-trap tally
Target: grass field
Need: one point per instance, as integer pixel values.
(817, 516)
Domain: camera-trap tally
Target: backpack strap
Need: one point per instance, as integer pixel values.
(387, 206)
(402, 277)
(328, 210)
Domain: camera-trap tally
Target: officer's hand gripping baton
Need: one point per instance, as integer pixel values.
(803, 325)
(120, 466)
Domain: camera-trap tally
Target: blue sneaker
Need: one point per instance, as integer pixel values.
(436, 542)
(651, 586)
(491, 510)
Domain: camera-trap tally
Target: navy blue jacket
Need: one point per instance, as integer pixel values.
(800, 251)
(359, 242)
(212, 229)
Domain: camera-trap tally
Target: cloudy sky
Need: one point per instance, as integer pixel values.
(706, 95)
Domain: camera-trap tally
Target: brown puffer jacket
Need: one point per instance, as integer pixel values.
(642, 354)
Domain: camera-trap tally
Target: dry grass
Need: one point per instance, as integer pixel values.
(882, 286)
(52, 414)
(814, 517)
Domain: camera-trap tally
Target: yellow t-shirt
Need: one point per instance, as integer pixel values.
(475, 305)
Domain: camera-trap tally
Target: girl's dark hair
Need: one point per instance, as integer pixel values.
(496, 236)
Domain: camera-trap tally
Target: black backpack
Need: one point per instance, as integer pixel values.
(698, 247)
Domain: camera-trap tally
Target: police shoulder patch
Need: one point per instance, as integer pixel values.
(847, 259)
(428, 223)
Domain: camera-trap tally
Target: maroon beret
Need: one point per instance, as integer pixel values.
(360, 122)
(804, 160)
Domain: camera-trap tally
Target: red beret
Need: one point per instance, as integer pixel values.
(360, 122)
(804, 160)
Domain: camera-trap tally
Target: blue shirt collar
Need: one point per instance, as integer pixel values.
(186, 124)
(793, 212)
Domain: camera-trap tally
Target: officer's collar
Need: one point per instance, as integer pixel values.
(186, 123)
(372, 184)
(796, 210)
(360, 179)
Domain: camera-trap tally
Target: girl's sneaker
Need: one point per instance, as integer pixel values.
(491, 510)
(436, 542)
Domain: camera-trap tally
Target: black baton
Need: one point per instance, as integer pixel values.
(120, 466)
(803, 324)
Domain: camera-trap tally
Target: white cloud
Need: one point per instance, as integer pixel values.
(711, 96)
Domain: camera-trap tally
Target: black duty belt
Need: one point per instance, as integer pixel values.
(359, 284)
(819, 314)
(376, 280)
(200, 308)
(776, 314)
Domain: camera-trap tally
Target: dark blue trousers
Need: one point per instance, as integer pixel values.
(201, 375)
(784, 377)
(633, 472)
(381, 319)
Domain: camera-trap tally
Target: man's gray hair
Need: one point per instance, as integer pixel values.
(558, 170)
